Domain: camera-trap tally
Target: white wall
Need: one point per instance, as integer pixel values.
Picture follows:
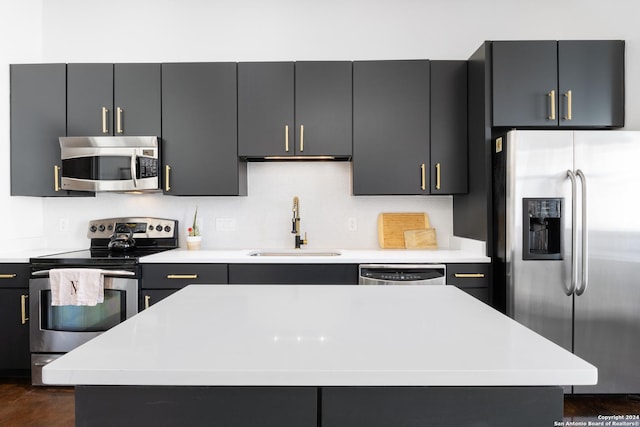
(242, 30)
(20, 41)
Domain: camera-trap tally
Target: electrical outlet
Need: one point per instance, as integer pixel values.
(352, 224)
(63, 225)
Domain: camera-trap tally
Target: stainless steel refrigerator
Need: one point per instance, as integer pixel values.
(567, 212)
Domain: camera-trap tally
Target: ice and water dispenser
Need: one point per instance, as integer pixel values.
(542, 229)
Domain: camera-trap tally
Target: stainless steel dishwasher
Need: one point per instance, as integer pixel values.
(402, 274)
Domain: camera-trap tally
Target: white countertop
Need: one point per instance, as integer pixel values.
(320, 335)
(347, 256)
(23, 255)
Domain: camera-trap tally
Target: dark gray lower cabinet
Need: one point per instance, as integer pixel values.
(161, 280)
(474, 279)
(15, 358)
(200, 130)
(38, 118)
(293, 274)
(148, 297)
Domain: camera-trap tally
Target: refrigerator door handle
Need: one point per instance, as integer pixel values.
(574, 235)
(585, 257)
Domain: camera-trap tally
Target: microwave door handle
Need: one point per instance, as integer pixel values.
(134, 172)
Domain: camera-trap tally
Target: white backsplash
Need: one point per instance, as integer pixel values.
(262, 219)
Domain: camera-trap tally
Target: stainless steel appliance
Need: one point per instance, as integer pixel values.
(568, 244)
(55, 330)
(109, 163)
(402, 274)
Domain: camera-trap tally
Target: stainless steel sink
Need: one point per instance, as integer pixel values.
(295, 252)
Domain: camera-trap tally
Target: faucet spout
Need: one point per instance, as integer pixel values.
(295, 222)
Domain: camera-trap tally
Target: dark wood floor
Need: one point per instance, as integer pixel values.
(587, 408)
(22, 405)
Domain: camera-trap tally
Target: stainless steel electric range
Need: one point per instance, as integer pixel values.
(116, 246)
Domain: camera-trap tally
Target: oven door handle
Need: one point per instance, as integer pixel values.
(107, 273)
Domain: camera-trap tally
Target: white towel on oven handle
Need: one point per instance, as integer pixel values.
(76, 286)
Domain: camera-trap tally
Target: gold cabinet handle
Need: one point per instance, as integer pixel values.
(568, 96)
(286, 138)
(167, 170)
(423, 183)
(119, 112)
(147, 298)
(23, 308)
(8, 276)
(105, 112)
(56, 178)
(552, 104)
(469, 275)
(301, 138)
(437, 176)
(182, 276)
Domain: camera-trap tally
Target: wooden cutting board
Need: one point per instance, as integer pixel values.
(421, 239)
(391, 227)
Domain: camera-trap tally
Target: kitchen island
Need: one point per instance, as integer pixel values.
(320, 356)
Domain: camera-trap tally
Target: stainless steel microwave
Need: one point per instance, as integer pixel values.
(109, 163)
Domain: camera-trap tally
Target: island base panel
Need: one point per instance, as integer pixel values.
(320, 407)
(441, 406)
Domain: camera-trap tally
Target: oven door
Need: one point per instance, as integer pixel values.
(59, 329)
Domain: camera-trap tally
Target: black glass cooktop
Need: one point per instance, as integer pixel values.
(97, 256)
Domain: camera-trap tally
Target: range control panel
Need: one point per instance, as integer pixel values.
(152, 228)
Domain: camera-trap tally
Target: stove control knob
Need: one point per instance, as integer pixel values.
(158, 228)
(110, 227)
(151, 228)
(167, 229)
(101, 227)
(92, 229)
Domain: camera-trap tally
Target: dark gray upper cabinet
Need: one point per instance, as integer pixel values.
(323, 93)
(287, 109)
(38, 112)
(550, 83)
(265, 109)
(449, 158)
(593, 71)
(108, 99)
(137, 98)
(199, 130)
(390, 127)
